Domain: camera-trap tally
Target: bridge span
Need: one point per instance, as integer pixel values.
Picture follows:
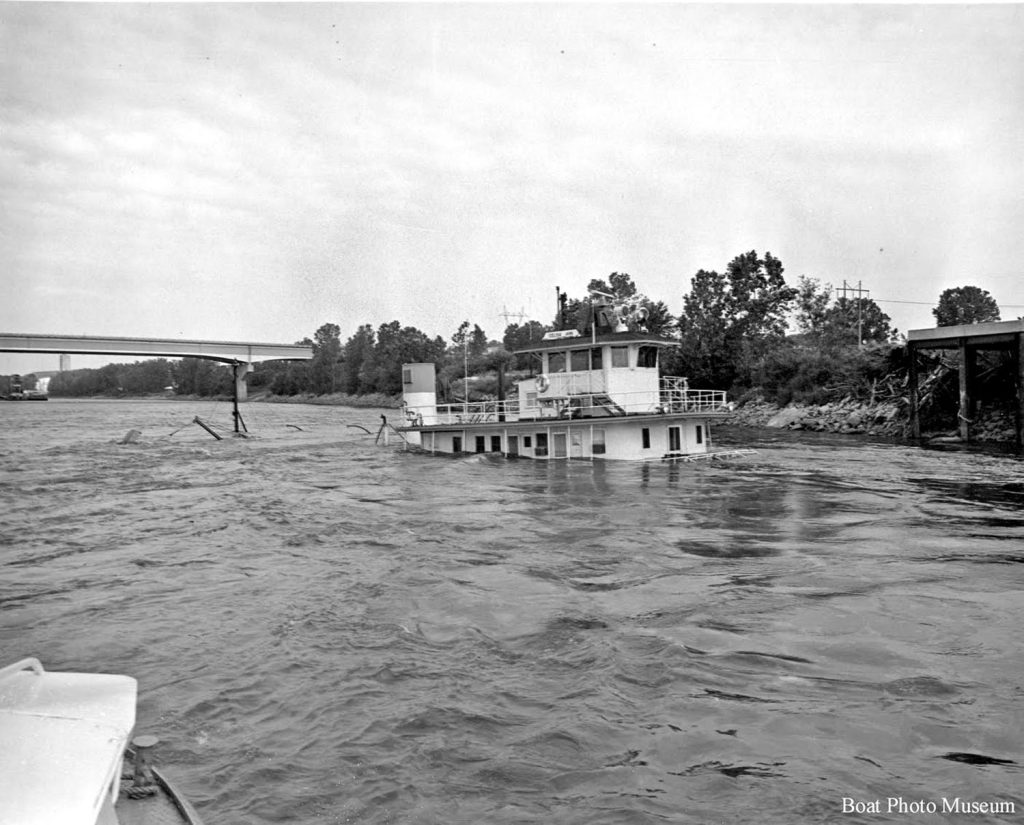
(240, 355)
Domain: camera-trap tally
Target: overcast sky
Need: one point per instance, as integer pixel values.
(251, 172)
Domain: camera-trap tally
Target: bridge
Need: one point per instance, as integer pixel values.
(240, 355)
(969, 339)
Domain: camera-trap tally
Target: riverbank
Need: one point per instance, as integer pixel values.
(851, 417)
(337, 399)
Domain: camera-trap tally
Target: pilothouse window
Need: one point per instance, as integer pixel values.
(580, 360)
(647, 357)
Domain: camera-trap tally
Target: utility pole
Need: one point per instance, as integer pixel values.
(860, 307)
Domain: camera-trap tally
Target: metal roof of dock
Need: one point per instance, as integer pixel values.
(995, 334)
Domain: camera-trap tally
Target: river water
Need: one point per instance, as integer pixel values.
(329, 631)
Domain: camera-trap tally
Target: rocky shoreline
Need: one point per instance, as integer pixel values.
(851, 417)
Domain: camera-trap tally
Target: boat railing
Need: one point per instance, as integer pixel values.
(576, 383)
(677, 396)
(467, 412)
(674, 398)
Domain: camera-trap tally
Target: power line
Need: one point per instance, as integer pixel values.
(934, 303)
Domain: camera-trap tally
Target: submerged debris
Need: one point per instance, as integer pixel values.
(976, 759)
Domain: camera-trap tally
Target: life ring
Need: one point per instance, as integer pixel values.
(542, 383)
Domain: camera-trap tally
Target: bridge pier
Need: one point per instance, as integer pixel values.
(241, 370)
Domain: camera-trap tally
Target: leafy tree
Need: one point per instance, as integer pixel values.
(139, 378)
(619, 284)
(812, 300)
(853, 320)
(397, 345)
(477, 342)
(358, 349)
(627, 298)
(323, 369)
(523, 335)
(965, 305)
(836, 324)
(194, 376)
(729, 318)
(291, 378)
(466, 353)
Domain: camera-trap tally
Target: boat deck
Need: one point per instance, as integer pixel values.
(673, 402)
(165, 807)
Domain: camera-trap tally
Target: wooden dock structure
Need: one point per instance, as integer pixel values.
(969, 339)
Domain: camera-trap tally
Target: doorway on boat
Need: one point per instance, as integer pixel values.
(675, 442)
(558, 443)
(576, 444)
(513, 445)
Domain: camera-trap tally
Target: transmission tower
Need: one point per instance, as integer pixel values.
(506, 314)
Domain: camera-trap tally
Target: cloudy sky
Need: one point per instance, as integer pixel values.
(251, 171)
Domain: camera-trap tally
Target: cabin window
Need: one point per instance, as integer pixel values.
(597, 443)
(645, 436)
(481, 443)
(556, 362)
(580, 360)
(700, 434)
(542, 444)
(647, 357)
(620, 357)
(531, 399)
(406, 375)
(674, 440)
(527, 442)
(456, 443)
(495, 443)
(595, 358)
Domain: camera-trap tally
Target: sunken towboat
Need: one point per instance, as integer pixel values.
(598, 394)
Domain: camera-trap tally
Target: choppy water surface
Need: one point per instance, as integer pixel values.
(327, 631)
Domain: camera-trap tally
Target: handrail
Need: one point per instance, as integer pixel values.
(674, 397)
(17, 667)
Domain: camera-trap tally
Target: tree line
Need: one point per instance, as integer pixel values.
(742, 328)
